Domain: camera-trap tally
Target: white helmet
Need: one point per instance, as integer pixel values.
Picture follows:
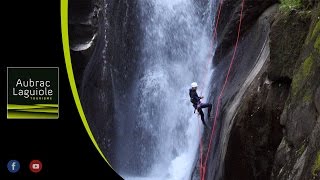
(194, 85)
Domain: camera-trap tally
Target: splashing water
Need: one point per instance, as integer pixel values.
(175, 52)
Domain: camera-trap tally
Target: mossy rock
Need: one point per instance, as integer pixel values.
(316, 35)
(301, 149)
(299, 78)
(307, 98)
(316, 30)
(287, 5)
(317, 44)
(316, 165)
(315, 25)
(287, 37)
(307, 65)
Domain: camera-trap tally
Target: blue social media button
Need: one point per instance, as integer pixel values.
(13, 166)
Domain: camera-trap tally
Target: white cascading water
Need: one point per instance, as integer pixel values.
(176, 48)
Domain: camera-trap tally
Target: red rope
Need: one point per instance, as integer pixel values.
(214, 35)
(222, 91)
(217, 21)
(200, 165)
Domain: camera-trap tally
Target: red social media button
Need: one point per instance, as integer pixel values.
(35, 166)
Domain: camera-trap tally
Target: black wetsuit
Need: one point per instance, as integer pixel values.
(195, 99)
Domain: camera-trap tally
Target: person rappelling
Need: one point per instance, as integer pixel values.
(197, 104)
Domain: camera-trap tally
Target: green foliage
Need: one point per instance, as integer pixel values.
(316, 165)
(287, 5)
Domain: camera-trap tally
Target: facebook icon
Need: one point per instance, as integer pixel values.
(13, 166)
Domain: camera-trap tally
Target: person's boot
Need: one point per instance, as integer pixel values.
(205, 124)
(209, 111)
(208, 127)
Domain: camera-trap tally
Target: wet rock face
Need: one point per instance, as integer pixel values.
(276, 130)
(79, 10)
(83, 26)
(107, 64)
(249, 137)
(83, 23)
(229, 19)
(257, 133)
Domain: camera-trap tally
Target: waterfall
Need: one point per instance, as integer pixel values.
(157, 131)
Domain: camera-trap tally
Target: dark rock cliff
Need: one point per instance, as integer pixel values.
(229, 19)
(298, 155)
(106, 64)
(272, 130)
(239, 153)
